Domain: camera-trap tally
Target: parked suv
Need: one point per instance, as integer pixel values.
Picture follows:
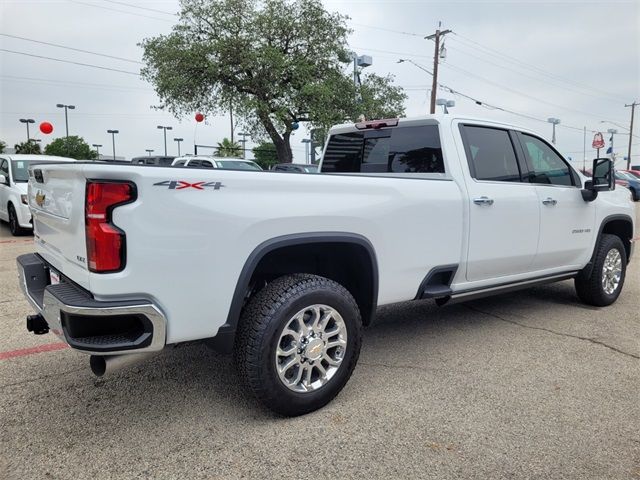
(14, 176)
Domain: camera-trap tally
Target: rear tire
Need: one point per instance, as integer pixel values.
(306, 321)
(604, 283)
(14, 225)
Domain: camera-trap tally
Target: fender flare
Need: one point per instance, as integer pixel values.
(224, 339)
(589, 266)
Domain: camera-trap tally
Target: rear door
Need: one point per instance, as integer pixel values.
(503, 208)
(566, 220)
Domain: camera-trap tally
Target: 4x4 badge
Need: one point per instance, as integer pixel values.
(181, 185)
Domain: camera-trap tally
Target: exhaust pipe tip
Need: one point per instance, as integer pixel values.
(102, 364)
(98, 365)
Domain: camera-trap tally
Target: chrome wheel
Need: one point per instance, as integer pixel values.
(311, 348)
(611, 271)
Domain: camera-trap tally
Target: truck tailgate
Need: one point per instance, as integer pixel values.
(56, 198)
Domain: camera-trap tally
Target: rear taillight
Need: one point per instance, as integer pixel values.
(106, 245)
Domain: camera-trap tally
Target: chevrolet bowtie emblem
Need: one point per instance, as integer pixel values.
(40, 197)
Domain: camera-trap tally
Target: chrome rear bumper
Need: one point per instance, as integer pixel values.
(88, 325)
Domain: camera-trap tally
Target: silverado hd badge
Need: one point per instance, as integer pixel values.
(181, 185)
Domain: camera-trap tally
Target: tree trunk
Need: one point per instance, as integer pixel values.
(281, 142)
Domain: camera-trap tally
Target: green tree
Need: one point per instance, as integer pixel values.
(227, 148)
(265, 155)
(278, 62)
(31, 147)
(73, 147)
(3, 145)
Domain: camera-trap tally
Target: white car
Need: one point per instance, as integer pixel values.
(286, 269)
(202, 161)
(14, 176)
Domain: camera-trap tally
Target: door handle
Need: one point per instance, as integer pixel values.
(483, 201)
(549, 201)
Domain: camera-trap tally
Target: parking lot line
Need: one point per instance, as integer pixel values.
(48, 347)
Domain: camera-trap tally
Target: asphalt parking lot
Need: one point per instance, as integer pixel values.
(525, 385)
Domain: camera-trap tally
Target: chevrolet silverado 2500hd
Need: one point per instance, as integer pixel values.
(286, 269)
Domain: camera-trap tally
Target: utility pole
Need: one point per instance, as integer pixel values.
(633, 108)
(436, 55)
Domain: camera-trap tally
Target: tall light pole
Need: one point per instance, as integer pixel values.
(436, 56)
(554, 122)
(97, 145)
(178, 140)
(306, 142)
(113, 140)
(362, 61)
(149, 151)
(160, 127)
(243, 142)
(66, 117)
(27, 121)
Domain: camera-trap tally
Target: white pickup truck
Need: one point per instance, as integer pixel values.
(286, 269)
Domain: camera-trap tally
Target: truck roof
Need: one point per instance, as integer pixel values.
(23, 156)
(436, 118)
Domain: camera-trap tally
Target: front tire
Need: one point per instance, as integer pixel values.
(603, 285)
(14, 224)
(298, 342)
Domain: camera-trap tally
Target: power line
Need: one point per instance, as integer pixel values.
(120, 11)
(68, 61)
(504, 87)
(107, 86)
(71, 48)
(139, 7)
(494, 52)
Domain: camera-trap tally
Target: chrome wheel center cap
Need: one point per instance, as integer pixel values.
(314, 349)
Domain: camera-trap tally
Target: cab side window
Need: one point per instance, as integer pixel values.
(491, 154)
(547, 167)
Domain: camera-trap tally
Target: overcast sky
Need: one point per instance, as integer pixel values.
(578, 61)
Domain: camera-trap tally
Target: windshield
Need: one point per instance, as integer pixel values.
(237, 165)
(19, 169)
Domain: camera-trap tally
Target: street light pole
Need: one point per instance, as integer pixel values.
(149, 151)
(554, 122)
(306, 142)
(633, 109)
(160, 127)
(243, 142)
(27, 121)
(113, 140)
(66, 117)
(97, 145)
(178, 140)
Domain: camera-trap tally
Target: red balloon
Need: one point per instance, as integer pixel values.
(199, 117)
(46, 128)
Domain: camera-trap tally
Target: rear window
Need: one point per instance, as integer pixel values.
(393, 150)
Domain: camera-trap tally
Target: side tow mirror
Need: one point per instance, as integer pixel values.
(604, 178)
(3, 180)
